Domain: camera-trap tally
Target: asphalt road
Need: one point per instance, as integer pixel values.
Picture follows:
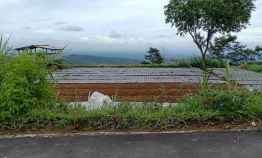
(197, 145)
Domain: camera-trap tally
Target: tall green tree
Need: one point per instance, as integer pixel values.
(227, 47)
(153, 56)
(223, 45)
(204, 19)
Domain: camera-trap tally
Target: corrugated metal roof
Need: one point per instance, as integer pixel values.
(154, 75)
(131, 75)
(39, 46)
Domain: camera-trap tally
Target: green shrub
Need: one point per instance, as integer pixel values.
(182, 63)
(2, 69)
(211, 63)
(24, 85)
(225, 101)
(232, 103)
(254, 106)
(252, 67)
(124, 116)
(197, 62)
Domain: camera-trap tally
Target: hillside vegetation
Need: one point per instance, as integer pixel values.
(94, 60)
(256, 67)
(28, 102)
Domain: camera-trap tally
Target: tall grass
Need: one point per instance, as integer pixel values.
(123, 116)
(4, 45)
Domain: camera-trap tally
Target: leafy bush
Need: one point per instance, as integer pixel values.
(182, 63)
(197, 62)
(232, 103)
(153, 56)
(124, 116)
(56, 64)
(254, 106)
(211, 63)
(24, 85)
(2, 67)
(252, 67)
(229, 102)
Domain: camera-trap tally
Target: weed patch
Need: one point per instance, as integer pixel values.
(252, 67)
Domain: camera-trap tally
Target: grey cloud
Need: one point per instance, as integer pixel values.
(163, 36)
(60, 23)
(110, 23)
(115, 35)
(72, 28)
(28, 28)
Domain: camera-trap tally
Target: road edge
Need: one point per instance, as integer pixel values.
(124, 133)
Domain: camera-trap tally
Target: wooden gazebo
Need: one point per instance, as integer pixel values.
(51, 52)
(41, 48)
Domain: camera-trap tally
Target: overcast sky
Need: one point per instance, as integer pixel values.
(102, 26)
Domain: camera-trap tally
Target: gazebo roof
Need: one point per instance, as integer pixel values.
(39, 46)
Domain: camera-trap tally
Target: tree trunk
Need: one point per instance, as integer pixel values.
(204, 62)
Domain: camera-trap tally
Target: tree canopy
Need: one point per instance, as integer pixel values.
(203, 19)
(153, 56)
(227, 47)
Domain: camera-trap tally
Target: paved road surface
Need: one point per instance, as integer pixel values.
(205, 145)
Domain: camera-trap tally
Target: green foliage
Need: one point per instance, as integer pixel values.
(153, 57)
(56, 64)
(203, 19)
(210, 63)
(224, 44)
(125, 66)
(204, 85)
(232, 103)
(244, 55)
(254, 106)
(227, 73)
(209, 15)
(187, 63)
(227, 47)
(197, 62)
(217, 106)
(24, 85)
(226, 101)
(3, 58)
(4, 48)
(177, 63)
(252, 67)
(124, 116)
(78, 59)
(2, 67)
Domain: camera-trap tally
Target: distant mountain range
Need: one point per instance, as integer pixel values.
(90, 59)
